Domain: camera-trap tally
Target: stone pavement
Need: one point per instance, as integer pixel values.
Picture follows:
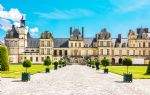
(74, 80)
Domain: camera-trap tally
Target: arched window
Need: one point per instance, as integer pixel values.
(120, 60)
(113, 61)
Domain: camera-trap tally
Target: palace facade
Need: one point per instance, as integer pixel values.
(77, 48)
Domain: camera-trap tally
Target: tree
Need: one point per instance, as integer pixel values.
(148, 69)
(4, 60)
(127, 62)
(47, 61)
(92, 62)
(27, 64)
(105, 62)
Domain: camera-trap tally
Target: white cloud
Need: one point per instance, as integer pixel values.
(124, 6)
(14, 14)
(17, 24)
(66, 14)
(1, 7)
(34, 30)
(5, 24)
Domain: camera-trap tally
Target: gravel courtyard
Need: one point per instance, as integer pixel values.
(74, 80)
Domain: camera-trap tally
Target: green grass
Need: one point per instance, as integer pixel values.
(137, 71)
(16, 70)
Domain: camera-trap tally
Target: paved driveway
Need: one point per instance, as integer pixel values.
(74, 80)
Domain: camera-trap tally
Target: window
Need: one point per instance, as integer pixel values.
(107, 51)
(37, 59)
(42, 59)
(112, 52)
(25, 58)
(144, 52)
(127, 52)
(71, 44)
(139, 44)
(42, 43)
(120, 52)
(66, 52)
(139, 52)
(48, 43)
(48, 51)
(75, 44)
(31, 58)
(133, 52)
(42, 51)
(94, 52)
(108, 44)
(101, 51)
(101, 43)
(144, 44)
(60, 52)
(55, 52)
(79, 44)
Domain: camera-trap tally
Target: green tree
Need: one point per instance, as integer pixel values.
(148, 68)
(47, 61)
(60, 62)
(127, 62)
(105, 62)
(4, 60)
(27, 64)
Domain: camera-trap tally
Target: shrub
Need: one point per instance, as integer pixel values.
(92, 62)
(4, 60)
(105, 62)
(148, 68)
(27, 64)
(127, 62)
(47, 61)
(97, 63)
(60, 62)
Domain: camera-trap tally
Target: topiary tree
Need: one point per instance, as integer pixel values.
(105, 62)
(127, 62)
(47, 61)
(92, 62)
(27, 64)
(4, 60)
(60, 62)
(148, 68)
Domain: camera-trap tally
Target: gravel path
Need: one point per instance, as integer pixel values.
(74, 80)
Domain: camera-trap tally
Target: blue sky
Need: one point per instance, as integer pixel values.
(118, 16)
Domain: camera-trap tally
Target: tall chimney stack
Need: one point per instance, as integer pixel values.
(82, 32)
(70, 30)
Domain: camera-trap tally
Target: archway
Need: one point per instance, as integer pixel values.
(113, 61)
(120, 60)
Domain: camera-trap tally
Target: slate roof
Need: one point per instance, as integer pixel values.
(89, 41)
(33, 42)
(61, 42)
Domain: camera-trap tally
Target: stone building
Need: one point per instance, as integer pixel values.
(77, 48)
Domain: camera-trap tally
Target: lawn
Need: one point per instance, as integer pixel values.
(137, 71)
(16, 70)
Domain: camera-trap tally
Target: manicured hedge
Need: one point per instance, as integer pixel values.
(4, 60)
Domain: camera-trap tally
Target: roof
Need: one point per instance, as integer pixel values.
(89, 41)
(33, 42)
(61, 42)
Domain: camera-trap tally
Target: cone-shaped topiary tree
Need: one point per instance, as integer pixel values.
(4, 60)
(105, 62)
(27, 64)
(127, 62)
(148, 69)
(47, 61)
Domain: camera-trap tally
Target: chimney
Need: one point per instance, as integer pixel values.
(70, 30)
(82, 32)
(119, 37)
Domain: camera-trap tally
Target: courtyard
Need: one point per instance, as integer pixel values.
(74, 80)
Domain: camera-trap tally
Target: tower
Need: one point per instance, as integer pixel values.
(22, 22)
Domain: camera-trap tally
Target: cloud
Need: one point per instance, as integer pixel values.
(1, 7)
(13, 14)
(5, 24)
(34, 31)
(66, 14)
(9, 17)
(125, 6)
